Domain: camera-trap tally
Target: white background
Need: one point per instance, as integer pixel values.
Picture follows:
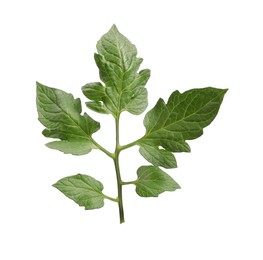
(187, 44)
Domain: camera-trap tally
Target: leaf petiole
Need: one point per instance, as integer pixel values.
(126, 146)
(110, 198)
(111, 155)
(128, 182)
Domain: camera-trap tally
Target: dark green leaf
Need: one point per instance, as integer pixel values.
(152, 181)
(83, 189)
(60, 113)
(124, 88)
(182, 118)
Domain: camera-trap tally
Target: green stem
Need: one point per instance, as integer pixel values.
(117, 169)
(111, 155)
(115, 157)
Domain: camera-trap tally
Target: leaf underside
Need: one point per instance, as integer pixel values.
(83, 189)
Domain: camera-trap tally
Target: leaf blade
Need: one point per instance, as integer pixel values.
(182, 118)
(60, 113)
(83, 189)
(72, 147)
(158, 157)
(138, 102)
(118, 65)
(152, 181)
(97, 106)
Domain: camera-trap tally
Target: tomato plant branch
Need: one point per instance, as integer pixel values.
(117, 169)
(168, 125)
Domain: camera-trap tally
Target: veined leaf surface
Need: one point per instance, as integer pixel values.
(83, 189)
(60, 113)
(152, 181)
(124, 88)
(182, 118)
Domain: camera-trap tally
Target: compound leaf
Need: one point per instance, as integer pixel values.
(122, 88)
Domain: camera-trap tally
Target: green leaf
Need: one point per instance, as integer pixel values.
(97, 106)
(138, 102)
(83, 189)
(124, 88)
(94, 91)
(158, 157)
(72, 147)
(152, 181)
(182, 118)
(60, 113)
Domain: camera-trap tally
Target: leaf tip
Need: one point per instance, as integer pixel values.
(114, 27)
(38, 85)
(222, 90)
(55, 185)
(178, 187)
